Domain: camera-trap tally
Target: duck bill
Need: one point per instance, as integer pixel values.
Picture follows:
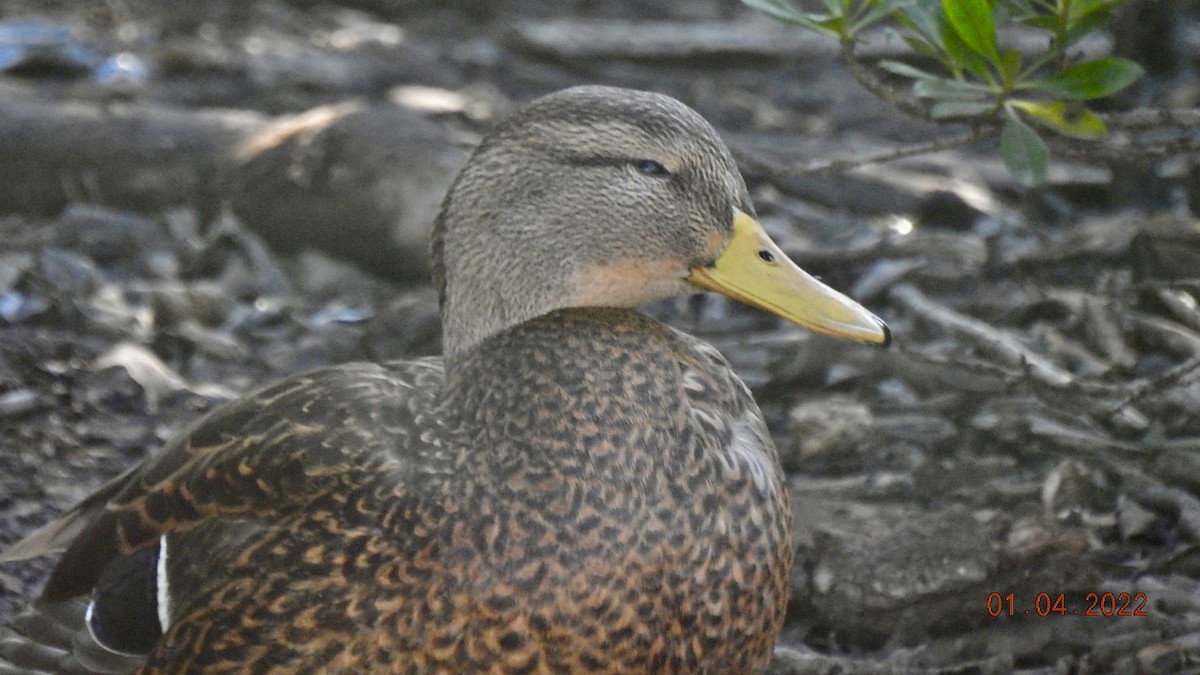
(753, 270)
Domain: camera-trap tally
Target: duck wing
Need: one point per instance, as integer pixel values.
(233, 475)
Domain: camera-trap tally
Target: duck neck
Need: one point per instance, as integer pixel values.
(477, 305)
(574, 369)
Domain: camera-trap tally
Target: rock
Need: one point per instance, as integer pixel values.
(1132, 519)
(1166, 248)
(826, 427)
(893, 571)
(358, 182)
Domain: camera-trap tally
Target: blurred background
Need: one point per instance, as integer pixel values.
(198, 198)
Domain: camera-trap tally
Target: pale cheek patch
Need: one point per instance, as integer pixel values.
(630, 283)
(714, 245)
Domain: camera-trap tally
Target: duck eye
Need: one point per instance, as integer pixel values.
(651, 167)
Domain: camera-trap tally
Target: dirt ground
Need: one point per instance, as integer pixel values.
(197, 198)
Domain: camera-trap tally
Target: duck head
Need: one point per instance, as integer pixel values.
(598, 196)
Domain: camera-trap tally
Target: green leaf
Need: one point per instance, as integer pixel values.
(1082, 27)
(905, 70)
(1082, 9)
(1019, 10)
(1090, 79)
(877, 11)
(961, 56)
(921, 18)
(972, 21)
(1010, 66)
(947, 89)
(1074, 121)
(783, 11)
(920, 46)
(778, 9)
(1049, 23)
(1023, 151)
(947, 109)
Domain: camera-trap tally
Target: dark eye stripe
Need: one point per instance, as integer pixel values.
(651, 167)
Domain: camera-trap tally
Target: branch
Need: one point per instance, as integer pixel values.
(1158, 385)
(1153, 118)
(1001, 345)
(750, 157)
(936, 145)
(1108, 149)
(1143, 119)
(906, 103)
(1140, 120)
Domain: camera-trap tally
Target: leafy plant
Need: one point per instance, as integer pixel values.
(973, 78)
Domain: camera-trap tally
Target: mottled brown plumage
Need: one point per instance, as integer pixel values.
(578, 489)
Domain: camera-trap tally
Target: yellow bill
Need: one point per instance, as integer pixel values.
(753, 270)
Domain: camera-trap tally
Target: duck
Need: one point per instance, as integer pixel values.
(572, 486)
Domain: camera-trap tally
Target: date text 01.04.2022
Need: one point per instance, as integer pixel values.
(1060, 604)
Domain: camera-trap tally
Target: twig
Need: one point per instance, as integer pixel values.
(1170, 334)
(1072, 352)
(748, 156)
(1186, 507)
(998, 343)
(870, 81)
(1142, 119)
(1181, 304)
(1077, 437)
(936, 145)
(1161, 383)
(1101, 325)
(1111, 150)
(1153, 118)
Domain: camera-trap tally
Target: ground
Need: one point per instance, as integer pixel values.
(1011, 488)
